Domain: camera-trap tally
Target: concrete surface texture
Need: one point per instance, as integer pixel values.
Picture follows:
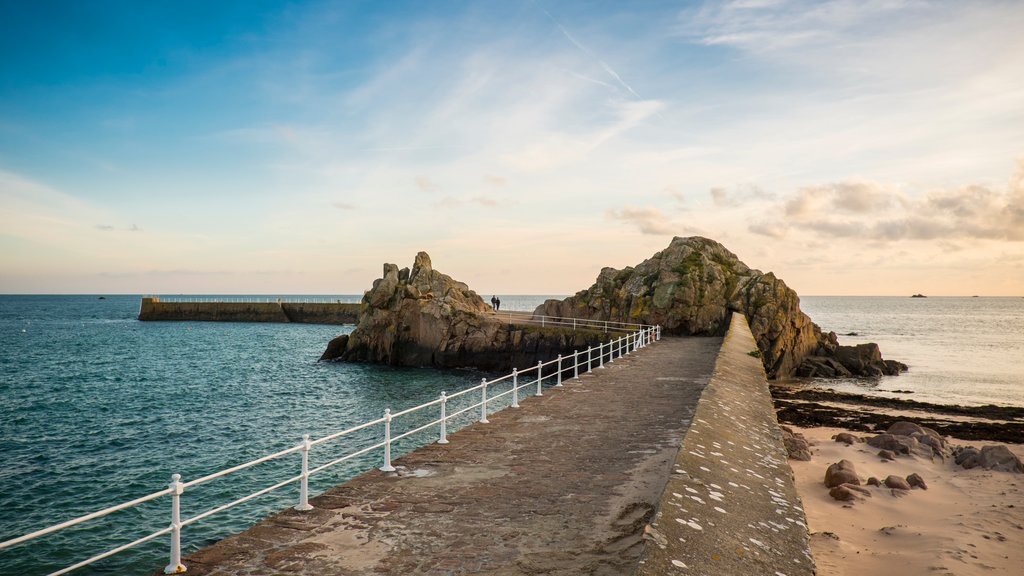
(731, 506)
(564, 485)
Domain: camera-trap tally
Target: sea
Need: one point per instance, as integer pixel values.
(98, 408)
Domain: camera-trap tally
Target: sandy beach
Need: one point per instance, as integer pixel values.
(966, 522)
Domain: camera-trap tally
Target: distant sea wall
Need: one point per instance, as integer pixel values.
(152, 309)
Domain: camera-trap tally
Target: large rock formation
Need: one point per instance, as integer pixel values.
(693, 286)
(425, 318)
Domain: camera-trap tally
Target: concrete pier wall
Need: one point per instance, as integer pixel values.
(731, 505)
(152, 309)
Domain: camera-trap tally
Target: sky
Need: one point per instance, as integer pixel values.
(869, 147)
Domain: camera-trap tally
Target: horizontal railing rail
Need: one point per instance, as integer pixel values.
(530, 379)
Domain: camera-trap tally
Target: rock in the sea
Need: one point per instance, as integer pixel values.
(872, 481)
(886, 454)
(846, 438)
(421, 317)
(895, 482)
(916, 481)
(796, 445)
(842, 472)
(997, 457)
(693, 285)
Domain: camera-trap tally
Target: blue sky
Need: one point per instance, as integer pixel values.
(292, 147)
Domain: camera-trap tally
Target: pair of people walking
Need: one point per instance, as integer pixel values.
(495, 303)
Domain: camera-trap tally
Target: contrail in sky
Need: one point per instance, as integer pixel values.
(584, 49)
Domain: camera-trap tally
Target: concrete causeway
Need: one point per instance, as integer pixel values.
(731, 505)
(566, 484)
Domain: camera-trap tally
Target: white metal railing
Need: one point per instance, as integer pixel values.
(563, 322)
(586, 361)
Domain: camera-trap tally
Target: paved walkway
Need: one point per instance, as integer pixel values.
(563, 485)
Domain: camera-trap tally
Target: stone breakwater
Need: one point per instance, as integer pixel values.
(731, 505)
(152, 309)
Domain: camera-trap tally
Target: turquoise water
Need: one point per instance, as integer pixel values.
(97, 408)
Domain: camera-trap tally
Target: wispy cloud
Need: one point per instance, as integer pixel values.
(424, 184)
(647, 220)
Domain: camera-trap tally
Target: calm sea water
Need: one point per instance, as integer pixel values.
(960, 350)
(97, 408)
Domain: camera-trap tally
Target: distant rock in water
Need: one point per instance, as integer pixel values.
(425, 318)
(918, 296)
(692, 287)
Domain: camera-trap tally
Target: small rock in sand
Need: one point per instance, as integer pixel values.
(886, 455)
(848, 492)
(916, 481)
(873, 481)
(846, 438)
(895, 482)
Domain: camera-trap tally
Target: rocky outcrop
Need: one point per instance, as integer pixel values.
(421, 317)
(692, 286)
(997, 457)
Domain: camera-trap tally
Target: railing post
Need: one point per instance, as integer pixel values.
(175, 566)
(303, 504)
(444, 419)
(515, 388)
(600, 356)
(540, 377)
(574, 324)
(387, 467)
(658, 332)
(605, 326)
(483, 401)
(588, 359)
(542, 321)
(558, 380)
(575, 364)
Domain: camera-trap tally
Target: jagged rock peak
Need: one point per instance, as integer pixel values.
(693, 285)
(426, 318)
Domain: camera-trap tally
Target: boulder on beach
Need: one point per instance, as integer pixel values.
(908, 438)
(796, 445)
(997, 457)
(846, 438)
(895, 482)
(842, 472)
(916, 481)
(692, 286)
(848, 492)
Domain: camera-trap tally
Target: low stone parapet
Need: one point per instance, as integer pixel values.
(731, 506)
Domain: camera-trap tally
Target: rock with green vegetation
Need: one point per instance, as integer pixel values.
(421, 317)
(692, 286)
